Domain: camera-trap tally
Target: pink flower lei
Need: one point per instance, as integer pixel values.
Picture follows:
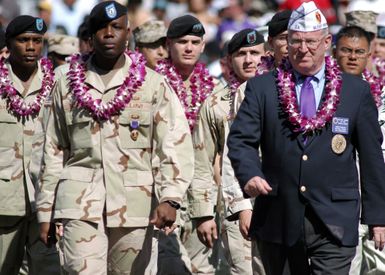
(380, 66)
(266, 65)
(201, 86)
(15, 102)
(123, 96)
(288, 98)
(375, 86)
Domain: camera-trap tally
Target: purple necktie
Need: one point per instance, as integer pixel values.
(307, 98)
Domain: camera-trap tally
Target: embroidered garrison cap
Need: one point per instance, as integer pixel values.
(103, 13)
(185, 25)
(366, 20)
(278, 24)
(307, 18)
(25, 23)
(150, 32)
(245, 38)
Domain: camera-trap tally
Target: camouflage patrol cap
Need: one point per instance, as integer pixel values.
(363, 19)
(63, 44)
(150, 32)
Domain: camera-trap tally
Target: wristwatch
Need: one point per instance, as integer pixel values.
(173, 204)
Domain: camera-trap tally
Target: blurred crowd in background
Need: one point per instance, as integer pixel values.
(221, 18)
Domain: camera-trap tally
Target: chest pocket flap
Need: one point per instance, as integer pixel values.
(135, 129)
(79, 126)
(11, 132)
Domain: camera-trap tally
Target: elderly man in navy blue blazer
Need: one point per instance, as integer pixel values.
(308, 119)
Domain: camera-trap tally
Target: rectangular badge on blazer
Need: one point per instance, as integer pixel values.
(340, 125)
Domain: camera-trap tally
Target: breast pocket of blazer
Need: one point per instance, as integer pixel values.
(135, 129)
(345, 194)
(10, 130)
(79, 127)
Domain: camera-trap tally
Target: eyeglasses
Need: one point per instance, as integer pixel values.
(310, 43)
(358, 53)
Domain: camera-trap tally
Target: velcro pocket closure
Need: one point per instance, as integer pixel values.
(72, 189)
(345, 194)
(6, 173)
(77, 173)
(137, 178)
(138, 136)
(7, 117)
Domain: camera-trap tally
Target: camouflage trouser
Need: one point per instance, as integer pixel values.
(257, 264)
(238, 250)
(368, 260)
(87, 248)
(204, 260)
(172, 257)
(19, 237)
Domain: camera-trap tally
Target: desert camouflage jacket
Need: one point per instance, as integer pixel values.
(209, 139)
(107, 167)
(20, 138)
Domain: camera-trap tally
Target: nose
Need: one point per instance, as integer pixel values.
(303, 46)
(248, 58)
(352, 55)
(108, 31)
(30, 45)
(189, 46)
(161, 51)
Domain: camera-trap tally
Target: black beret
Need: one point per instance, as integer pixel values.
(83, 29)
(103, 13)
(245, 38)
(2, 39)
(381, 32)
(185, 25)
(25, 23)
(278, 24)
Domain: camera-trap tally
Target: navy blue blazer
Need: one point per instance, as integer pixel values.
(311, 174)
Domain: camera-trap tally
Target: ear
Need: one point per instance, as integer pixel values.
(328, 41)
(128, 33)
(229, 61)
(203, 45)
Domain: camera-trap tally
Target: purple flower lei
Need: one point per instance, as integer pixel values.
(288, 98)
(375, 86)
(201, 86)
(15, 102)
(266, 65)
(98, 109)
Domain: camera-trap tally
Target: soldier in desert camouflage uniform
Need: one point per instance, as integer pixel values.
(244, 52)
(104, 195)
(150, 40)
(24, 79)
(192, 83)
